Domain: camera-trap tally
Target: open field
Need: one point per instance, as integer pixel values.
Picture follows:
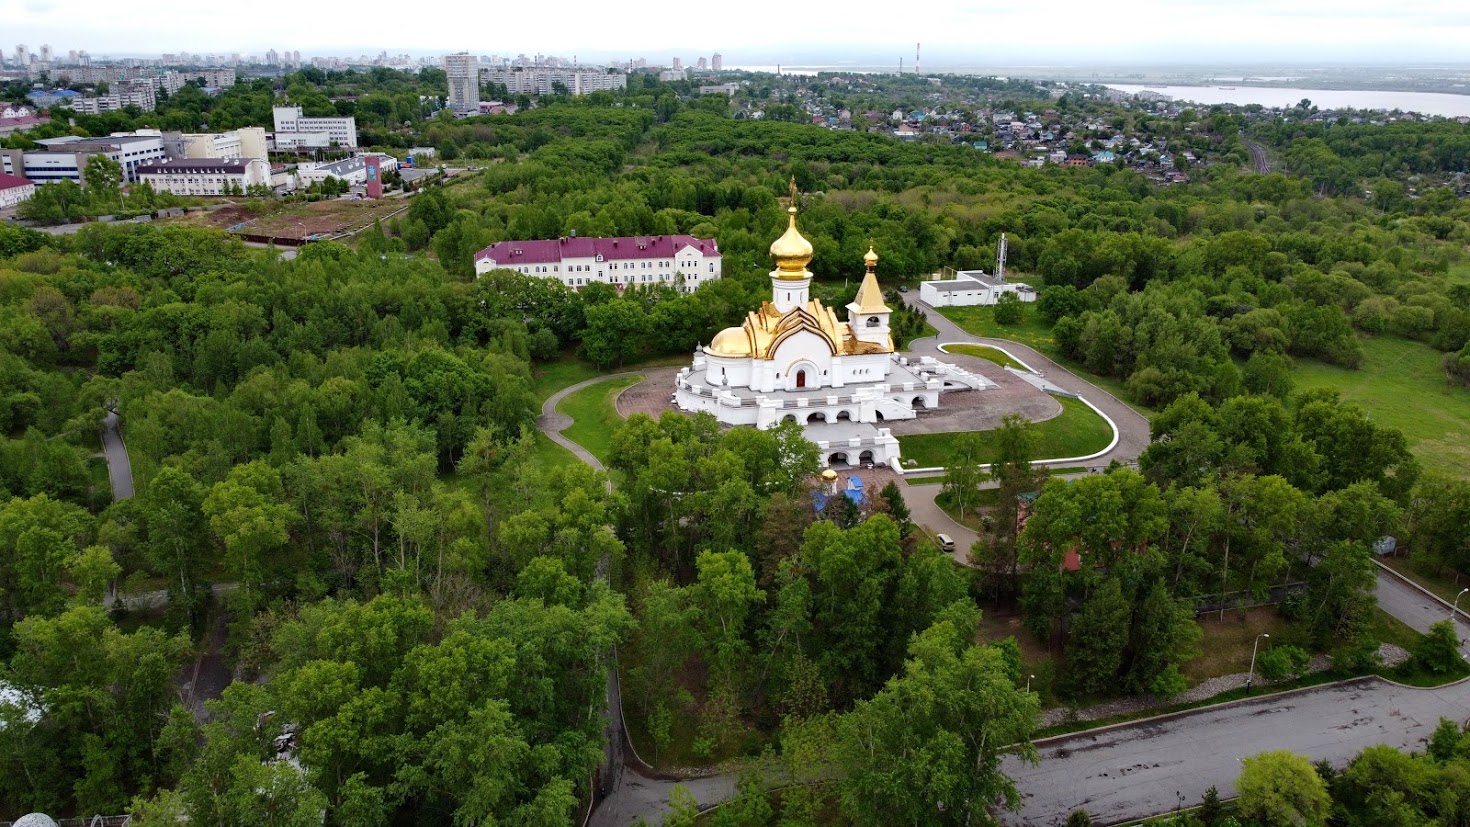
(296, 220)
(1402, 384)
(595, 415)
(1077, 432)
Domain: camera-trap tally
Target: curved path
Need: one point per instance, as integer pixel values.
(1260, 161)
(1118, 773)
(552, 423)
(1132, 427)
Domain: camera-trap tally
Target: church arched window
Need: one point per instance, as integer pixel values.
(872, 321)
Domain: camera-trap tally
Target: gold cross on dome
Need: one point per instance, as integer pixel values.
(793, 190)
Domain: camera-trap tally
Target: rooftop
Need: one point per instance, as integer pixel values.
(195, 165)
(9, 182)
(612, 249)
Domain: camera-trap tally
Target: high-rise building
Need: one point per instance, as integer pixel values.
(45, 52)
(296, 57)
(22, 56)
(463, 73)
(678, 64)
(717, 63)
(703, 64)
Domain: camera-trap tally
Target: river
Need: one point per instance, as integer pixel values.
(1427, 103)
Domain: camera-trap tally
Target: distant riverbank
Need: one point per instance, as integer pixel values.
(1427, 103)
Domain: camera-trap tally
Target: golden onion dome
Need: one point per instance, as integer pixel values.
(792, 252)
(731, 341)
(871, 259)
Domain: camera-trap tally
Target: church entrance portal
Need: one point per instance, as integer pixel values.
(801, 379)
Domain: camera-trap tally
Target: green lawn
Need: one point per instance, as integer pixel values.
(988, 353)
(980, 321)
(1402, 384)
(549, 377)
(1077, 432)
(595, 414)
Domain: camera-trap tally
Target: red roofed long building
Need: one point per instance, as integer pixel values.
(14, 189)
(635, 260)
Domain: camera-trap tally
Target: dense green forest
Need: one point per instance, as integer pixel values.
(413, 595)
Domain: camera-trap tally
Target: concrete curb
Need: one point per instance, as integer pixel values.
(1113, 443)
(943, 348)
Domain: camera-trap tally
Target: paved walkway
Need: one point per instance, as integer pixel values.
(119, 469)
(1133, 427)
(552, 423)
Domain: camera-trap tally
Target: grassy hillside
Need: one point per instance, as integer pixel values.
(1402, 384)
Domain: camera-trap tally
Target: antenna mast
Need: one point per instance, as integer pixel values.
(916, 57)
(1000, 260)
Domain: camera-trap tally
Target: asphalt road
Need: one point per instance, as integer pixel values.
(119, 470)
(1150, 767)
(1416, 608)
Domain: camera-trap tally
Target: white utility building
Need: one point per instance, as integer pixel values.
(970, 288)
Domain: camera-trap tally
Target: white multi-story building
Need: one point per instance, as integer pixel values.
(717, 63)
(66, 158)
(621, 262)
(542, 80)
(205, 176)
(294, 130)
(139, 92)
(463, 73)
(245, 142)
(14, 189)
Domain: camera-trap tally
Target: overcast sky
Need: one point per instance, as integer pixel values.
(768, 31)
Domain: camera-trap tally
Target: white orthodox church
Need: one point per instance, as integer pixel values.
(793, 360)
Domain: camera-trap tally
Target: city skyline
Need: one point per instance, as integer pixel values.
(953, 32)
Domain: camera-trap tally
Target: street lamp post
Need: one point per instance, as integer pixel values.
(1455, 607)
(1029, 678)
(1252, 674)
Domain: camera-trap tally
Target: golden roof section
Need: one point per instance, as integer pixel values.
(732, 341)
(870, 295)
(763, 331)
(792, 252)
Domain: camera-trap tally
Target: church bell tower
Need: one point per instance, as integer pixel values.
(867, 315)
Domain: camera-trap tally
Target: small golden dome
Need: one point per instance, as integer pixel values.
(871, 259)
(829, 475)
(732, 341)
